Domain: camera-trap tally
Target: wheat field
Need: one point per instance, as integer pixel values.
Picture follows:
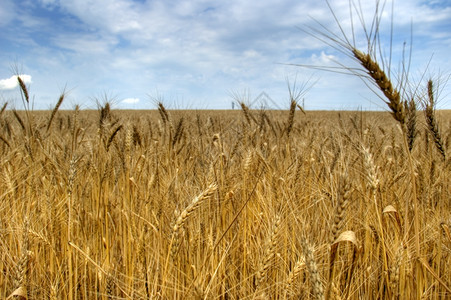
(248, 204)
(240, 204)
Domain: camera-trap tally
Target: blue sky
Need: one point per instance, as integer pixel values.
(198, 53)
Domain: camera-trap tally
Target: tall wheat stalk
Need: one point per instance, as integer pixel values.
(379, 76)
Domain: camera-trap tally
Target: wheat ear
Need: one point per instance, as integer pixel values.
(315, 281)
(383, 82)
(23, 89)
(247, 113)
(394, 272)
(343, 200)
(19, 120)
(181, 220)
(431, 121)
(293, 275)
(112, 136)
(163, 113)
(291, 117)
(271, 249)
(21, 271)
(55, 109)
(411, 111)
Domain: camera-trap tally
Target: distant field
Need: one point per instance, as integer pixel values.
(244, 204)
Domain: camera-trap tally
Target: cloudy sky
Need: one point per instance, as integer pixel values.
(201, 54)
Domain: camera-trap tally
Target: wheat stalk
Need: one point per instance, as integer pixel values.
(3, 108)
(5, 141)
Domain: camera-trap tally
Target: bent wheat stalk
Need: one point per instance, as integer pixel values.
(380, 76)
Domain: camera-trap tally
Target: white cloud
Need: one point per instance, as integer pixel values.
(130, 100)
(323, 59)
(115, 16)
(12, 82)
